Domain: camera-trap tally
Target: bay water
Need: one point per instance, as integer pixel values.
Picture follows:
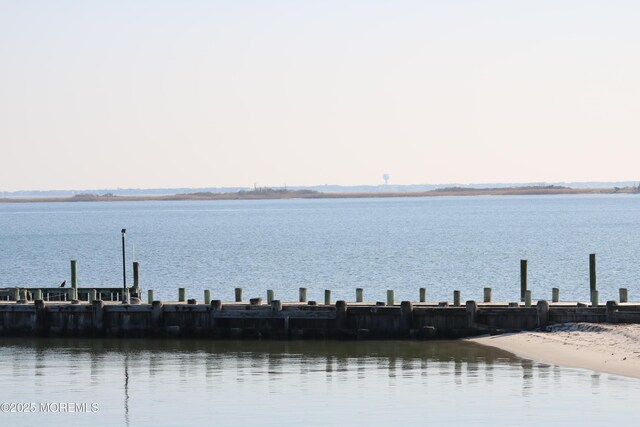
(442, 244)
(309, 383)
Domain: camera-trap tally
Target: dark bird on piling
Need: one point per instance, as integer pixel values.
(63, 283)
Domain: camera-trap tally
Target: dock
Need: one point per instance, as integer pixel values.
(120, 312)
(277, 320)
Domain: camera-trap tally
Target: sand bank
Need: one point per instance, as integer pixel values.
(600, 347)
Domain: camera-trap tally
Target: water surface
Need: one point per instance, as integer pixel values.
(441, 243)
(319, 383)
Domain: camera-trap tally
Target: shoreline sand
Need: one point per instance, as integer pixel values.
(613, 349)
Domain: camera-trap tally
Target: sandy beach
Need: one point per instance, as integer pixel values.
(607, 348)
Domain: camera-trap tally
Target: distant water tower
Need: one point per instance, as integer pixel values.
(386, 178)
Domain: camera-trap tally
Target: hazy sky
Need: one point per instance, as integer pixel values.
(106, 94)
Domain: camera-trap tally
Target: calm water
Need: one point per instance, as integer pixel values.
(403, 244)
(169, 383)
(442, 244)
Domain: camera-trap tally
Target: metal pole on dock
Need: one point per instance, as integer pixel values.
(124, 269)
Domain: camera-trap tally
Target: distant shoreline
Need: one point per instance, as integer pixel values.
(275, 194)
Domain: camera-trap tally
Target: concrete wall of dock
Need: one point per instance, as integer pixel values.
(295, 320)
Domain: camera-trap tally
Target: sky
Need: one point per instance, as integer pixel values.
(148, 94)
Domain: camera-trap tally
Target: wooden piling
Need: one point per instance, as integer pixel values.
(97, 312)
(41, 316)
(15, 294)
(207, 296)
(527, 298)
(406, 315)
(156, 313)
(523, 278)
(359, 294)
(74, 273)
(286, 326)
(276, 306)
(270, 296)
(423, 295)
(136, 274)
(555, 294)
(70, 294)
(150, 296)
(456, 298)
(238, 292)
(592, 273)
(472, 311)
(624, 295)
(594, 298)
(182, 294)
(137, 292)
(391, 297)
(612, 312)
(543, 313)
(216, 304)
(93, 295)
(302, 294)
(327, 297)
(341, 315)
(487, 294)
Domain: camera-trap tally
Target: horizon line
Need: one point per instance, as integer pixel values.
(377, 186)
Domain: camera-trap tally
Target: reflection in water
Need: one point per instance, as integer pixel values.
(457, 372)
(126, 389)
(309, 383)
(527, 376)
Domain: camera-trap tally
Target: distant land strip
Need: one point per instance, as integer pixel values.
(271, 193)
